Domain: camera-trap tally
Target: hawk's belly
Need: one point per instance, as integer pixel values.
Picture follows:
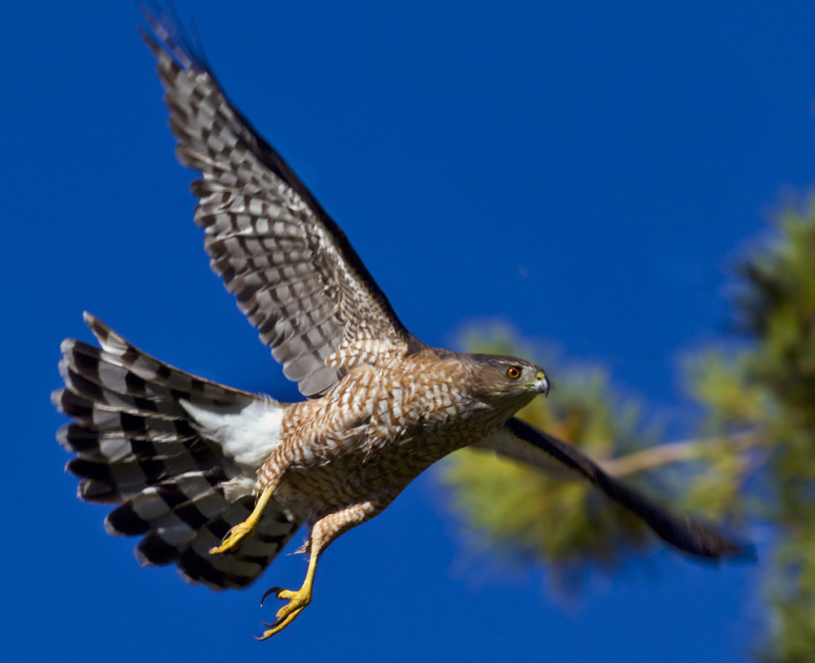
(370, 436)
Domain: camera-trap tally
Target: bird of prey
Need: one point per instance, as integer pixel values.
(217, 480)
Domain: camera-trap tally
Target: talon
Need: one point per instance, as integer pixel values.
(236, 535)
(271, 590)
(297, 600)
(288, 613)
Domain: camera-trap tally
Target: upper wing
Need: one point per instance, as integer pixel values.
(522, 442)
(291, 267)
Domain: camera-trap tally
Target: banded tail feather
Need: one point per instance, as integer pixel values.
(179, 454)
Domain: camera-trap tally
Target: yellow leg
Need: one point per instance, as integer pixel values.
(297, 600)
(323, 532)
(245, 529)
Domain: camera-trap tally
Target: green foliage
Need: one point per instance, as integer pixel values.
(729, 437)
(755, 453)
(778, 310)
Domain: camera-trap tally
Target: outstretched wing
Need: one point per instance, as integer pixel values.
(522, 442)
(292, 269)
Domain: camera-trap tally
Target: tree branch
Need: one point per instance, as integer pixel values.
(675, 452)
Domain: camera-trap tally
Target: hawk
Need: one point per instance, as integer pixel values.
(217, 480)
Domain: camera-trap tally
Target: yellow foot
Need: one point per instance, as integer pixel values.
(288, 613)
(234, 538)
(241, 531)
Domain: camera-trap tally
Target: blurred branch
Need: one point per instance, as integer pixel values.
(676, 452)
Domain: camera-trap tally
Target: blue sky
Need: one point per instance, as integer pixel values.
(584, 171)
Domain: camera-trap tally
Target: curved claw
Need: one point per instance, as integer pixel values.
(271, 590)
(240, 532)
(234, 537)
(297, 600)
(288, 613)
(277, 622)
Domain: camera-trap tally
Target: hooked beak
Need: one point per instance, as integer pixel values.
(541, 384)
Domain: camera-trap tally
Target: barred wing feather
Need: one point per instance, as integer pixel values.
(293, 271)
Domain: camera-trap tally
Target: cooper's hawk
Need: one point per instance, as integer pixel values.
(217, 480)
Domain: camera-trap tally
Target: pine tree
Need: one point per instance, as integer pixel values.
(753, 456)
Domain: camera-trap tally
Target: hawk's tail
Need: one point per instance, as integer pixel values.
(137, 444)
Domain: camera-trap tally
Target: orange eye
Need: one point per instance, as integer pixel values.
(513, 372)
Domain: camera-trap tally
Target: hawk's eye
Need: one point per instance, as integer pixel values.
(513, 372)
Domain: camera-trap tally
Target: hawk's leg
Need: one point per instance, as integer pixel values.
(323, 533)
(297, 600)
(245, 529)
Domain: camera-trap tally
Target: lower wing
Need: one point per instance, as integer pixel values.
(524, 443)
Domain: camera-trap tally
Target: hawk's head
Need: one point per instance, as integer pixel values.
(506, 382)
